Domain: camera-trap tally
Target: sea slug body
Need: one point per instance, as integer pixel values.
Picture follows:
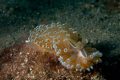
(66, 43)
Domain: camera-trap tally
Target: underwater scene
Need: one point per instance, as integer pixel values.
(59, 39)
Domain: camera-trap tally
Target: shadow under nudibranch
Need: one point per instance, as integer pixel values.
(110, 68)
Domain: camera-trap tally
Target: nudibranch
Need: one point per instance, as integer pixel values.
(66, 43)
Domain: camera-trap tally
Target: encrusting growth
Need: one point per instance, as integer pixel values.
(66, 43)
